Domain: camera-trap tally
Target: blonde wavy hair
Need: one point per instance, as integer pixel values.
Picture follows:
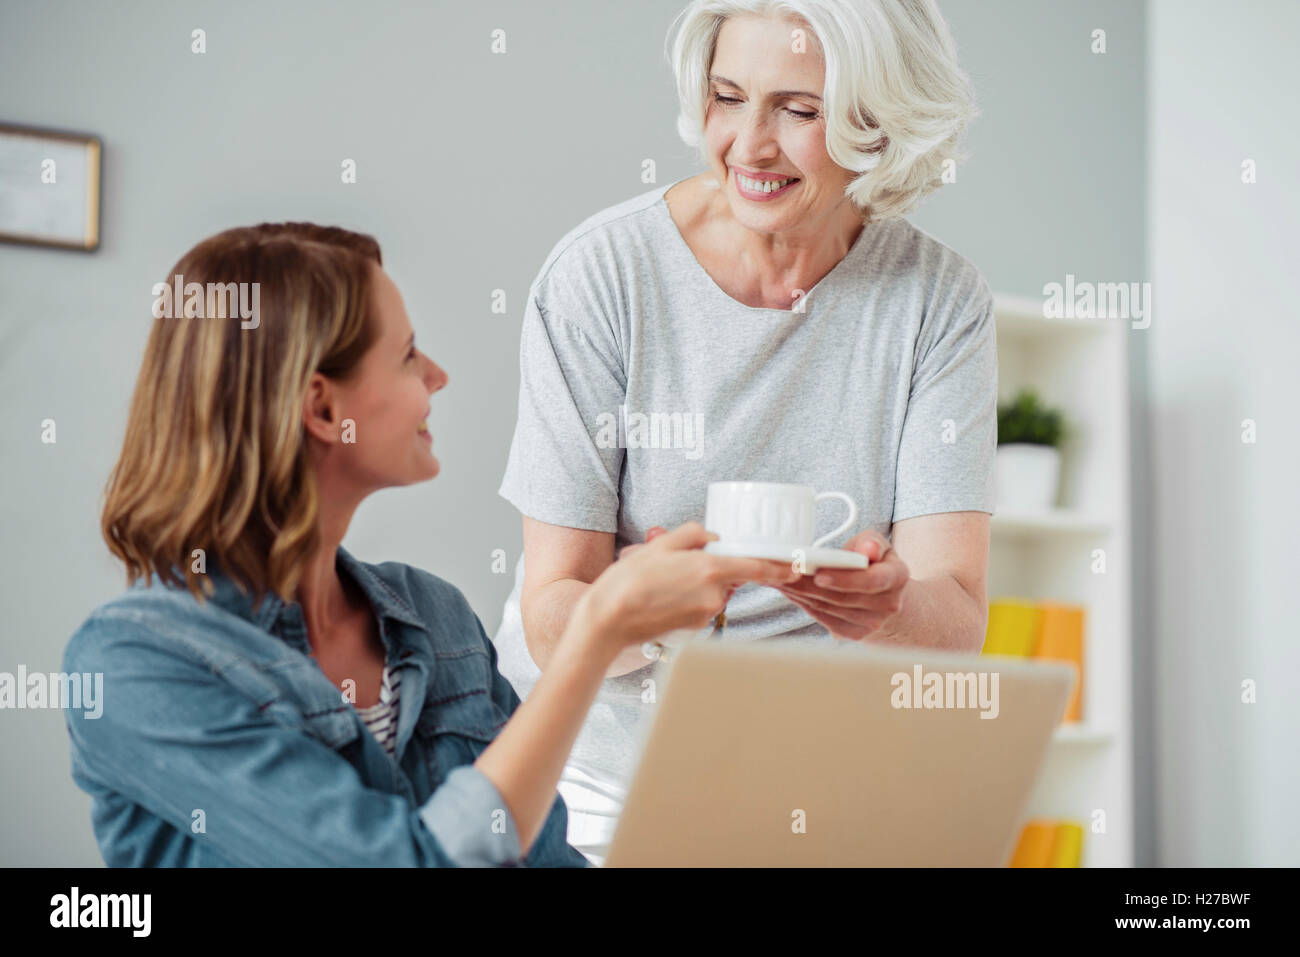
(895, 99)
(215, 452)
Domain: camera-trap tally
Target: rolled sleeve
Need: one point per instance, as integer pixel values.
(470, 820)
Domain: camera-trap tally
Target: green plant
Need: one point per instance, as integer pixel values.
(1025, 420)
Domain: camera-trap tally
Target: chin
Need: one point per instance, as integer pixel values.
(422, 471)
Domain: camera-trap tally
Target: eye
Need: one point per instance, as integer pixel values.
(410, 355)
(732, 101)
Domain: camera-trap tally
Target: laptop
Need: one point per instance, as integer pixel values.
(772, 754)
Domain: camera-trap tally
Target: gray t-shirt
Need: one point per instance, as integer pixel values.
(641, 382)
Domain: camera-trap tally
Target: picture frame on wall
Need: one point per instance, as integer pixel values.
(49, 187)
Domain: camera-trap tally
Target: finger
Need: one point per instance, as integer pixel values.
(871, 581)
(783, 569)
(840, 599)
(837, 624)
(870, 543)
(654, 532)
(855, 616)
(751, 570)
(883, 604)
(629, 549)
(689, 535)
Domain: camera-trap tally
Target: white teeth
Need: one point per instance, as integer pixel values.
(762, 186)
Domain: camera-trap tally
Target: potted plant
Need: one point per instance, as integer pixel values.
(1028, 467)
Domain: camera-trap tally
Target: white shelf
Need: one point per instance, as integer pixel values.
(1061, 521)
(1082, 734)
(1078, 553)
(1020, 317)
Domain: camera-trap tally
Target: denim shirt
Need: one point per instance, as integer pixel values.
(222, 743)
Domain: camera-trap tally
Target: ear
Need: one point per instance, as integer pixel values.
(320, 415)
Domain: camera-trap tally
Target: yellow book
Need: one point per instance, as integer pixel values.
(1013, 627)
(1067, 845)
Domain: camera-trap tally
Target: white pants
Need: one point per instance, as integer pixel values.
(594, 802)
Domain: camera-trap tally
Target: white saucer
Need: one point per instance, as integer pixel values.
(813, 558)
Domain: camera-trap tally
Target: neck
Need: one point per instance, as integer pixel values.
(810, 250)
(325, 602)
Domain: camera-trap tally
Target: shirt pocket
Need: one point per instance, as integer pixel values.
(472, 714)
(455, 732)
(459, 701)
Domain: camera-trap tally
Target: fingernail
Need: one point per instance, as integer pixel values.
(823, 579)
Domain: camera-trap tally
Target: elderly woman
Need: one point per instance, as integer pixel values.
(780, 304)
(272, 700)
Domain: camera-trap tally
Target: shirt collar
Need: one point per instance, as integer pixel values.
(386, 602)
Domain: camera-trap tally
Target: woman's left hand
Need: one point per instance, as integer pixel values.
(852, 603)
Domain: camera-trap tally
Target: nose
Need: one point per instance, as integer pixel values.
(754, 141)
(435, 377)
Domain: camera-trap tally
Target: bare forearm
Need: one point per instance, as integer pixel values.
(526, 758)
(546, 613)
(936, 613)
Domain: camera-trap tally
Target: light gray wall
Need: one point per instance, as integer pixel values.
(1223, 343)
(471, 166)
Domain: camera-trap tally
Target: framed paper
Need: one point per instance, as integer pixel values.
(49, 187)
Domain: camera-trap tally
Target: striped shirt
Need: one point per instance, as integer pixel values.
(381, 718)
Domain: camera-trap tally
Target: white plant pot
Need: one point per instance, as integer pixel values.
(1027, 476)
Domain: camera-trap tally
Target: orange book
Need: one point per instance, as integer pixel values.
(1060, 638)
(1034, 849)
(1048, 843)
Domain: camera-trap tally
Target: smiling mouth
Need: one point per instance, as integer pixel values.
(764, 185)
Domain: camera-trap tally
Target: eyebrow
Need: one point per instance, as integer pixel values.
(774, 95)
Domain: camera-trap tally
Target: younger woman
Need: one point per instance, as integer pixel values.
(268, 698)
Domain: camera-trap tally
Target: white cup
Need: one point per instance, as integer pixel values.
(769, 513)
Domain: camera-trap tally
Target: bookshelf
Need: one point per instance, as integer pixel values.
(1080, 366)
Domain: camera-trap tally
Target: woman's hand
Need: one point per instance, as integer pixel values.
(654, 532)
(853, 603)
(670, 583)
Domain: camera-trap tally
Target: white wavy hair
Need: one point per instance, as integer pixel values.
(896, 100)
